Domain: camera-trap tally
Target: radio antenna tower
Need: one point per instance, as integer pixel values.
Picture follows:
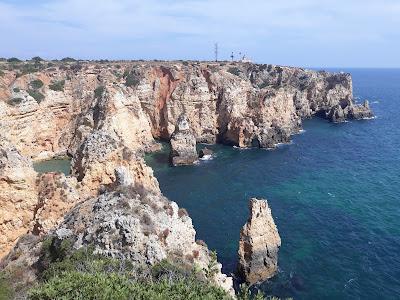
(216, 51)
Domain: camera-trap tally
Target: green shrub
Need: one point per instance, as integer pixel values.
(36, 84)
(27, 68)
(6, 291)
(263, 85)
(68, 59)
(15, 101)
(1, 73)
(38, 96)
(78, 285)
(37, 58)
(234, 70)
(131, 79)
(98, 92)
(13, 60)
(57, 85)
(79, 274)
(16, 90)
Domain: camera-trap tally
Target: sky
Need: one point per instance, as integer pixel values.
(307, 33)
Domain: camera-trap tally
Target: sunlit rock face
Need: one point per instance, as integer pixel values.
(242, 104)
(259, 244)
(183, 144)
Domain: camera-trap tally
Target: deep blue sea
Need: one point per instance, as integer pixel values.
(334, 193)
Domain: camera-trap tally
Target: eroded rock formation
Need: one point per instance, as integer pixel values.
(183, 144)
(18, 195)
(242, 104)
(107, 115)
(259, 244)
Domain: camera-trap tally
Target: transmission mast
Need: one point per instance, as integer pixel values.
(216, 51)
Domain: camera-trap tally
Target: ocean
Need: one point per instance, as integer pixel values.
(334, 194)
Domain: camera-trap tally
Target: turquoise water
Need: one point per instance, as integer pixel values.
(334, 194)
(53, 165)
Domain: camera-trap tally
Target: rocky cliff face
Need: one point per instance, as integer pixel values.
(18, 195)
(259, 244)
(106, 115)
(236, 103)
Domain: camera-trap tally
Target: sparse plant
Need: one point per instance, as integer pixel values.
(36, 84)
(131, 79)
(235, 71)
(57, 85)
(37, 59)
(13, 60)
(68, 59)
(38, 96)
(98, 92)
(15, 101)
(212, 265)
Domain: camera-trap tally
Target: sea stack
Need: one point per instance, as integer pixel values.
(183, 143)
(259, 244)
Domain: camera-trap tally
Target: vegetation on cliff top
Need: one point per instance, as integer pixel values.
(80, 274)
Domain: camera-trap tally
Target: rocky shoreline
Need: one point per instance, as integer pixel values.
(106, 115)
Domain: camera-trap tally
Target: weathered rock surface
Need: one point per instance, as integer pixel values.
(259, 244)
(242, 104)
(18, 195)
(183, 144)
(101, 158)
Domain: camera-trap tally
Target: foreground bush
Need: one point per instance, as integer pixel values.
(78, 285)
(79, 274)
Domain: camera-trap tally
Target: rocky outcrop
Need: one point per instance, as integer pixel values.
(259, 244)
(101, 158)
(340, 113)
(183, 144)
(18, 195)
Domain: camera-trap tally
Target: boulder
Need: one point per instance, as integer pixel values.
(183, 143)
(259, 244)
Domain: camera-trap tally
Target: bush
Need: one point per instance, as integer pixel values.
(98, 92)
(234, 70)
(57, 85)
(131, 79)
(6, 292)
(80, 274)
(78, 285)
(68, 59)
(13, 60)
(36, 84)
(37, 58)
(16, 90)
(15, 101)
(263, 85)
(38, 96)
(1, 73)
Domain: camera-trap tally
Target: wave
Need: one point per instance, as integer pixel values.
(207, 157)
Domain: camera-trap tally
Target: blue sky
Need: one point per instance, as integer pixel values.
(313, 33)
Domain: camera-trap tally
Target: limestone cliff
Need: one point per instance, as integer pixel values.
(259, 244)
(242, 104)
(183, 144)
(105, 115)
